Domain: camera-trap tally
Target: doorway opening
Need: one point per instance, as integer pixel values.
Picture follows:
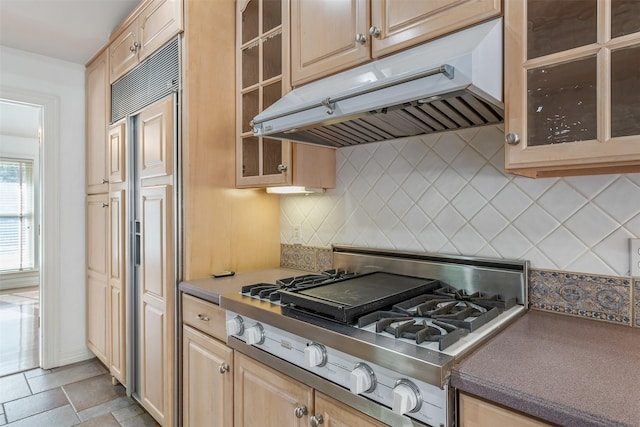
(20, 243)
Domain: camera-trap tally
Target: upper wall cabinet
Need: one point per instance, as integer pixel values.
(263, 63)
(328, 37)
(98, 100)
(572, 87)
(150, 26)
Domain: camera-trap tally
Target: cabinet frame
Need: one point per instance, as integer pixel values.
(602, 155)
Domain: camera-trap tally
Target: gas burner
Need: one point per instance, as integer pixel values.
(485, 300)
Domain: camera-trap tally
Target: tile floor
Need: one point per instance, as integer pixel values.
(78, 394)
(19, 311)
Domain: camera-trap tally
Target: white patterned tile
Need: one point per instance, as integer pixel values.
(402, 238)
(591, 224)
(488, 222)
(341, 157)
(467, 241)
(510, 243)
(399, 169)
(468, 202)
(400, 203)
(385, 218)
(385, 187)
(449, 221)
(511, 202)
(488, 141)
(633, 225)
(432, 202)
(415, 185)
(358, 158)
(468, 134)
(561, 201)
(591, 186)
(347, 174)
(537, 258)
(371, 172)
(429, 139)
(450, 183)
(488, 252)
(589, 262)
(616, 200)
(497, 160)
(385, 154)
(415, 220)
(534, 188)
(372, 203)
(489, 181)
(468, 163)
(431, 166)
(614, 250)
(414, 150)
(562, 247)
(634, 177)
(449, 145)
(432, 239)
(358, 189)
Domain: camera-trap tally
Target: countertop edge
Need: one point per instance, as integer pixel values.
(196, 291)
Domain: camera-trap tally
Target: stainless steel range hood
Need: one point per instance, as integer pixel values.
(451, 83)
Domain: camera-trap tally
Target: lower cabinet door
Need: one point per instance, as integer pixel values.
(337, 414)
(479, 413)
(264, 397)
(207, 380)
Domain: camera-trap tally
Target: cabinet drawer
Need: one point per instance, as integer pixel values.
(204, 316)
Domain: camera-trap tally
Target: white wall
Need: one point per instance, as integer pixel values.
(32, 73)
(447, 193)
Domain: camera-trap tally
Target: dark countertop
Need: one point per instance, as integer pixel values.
(210, 289)
(562, 369)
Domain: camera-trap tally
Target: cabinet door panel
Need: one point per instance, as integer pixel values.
(337, 414)
(263, 396)
(159, 21)
(98, 100)
(207, 391)
(478, 413)
(117, 153)
(323, 37)
(405, 23)
(155, 136)
(117, 280)
(123, 54)
(97, 282)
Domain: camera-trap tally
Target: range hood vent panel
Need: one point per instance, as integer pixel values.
(452, 83)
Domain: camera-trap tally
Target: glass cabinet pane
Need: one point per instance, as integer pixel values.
(272, 57)
(250, 109)
(250, 19)
(250, 156)
(625, 17)
(250, 65)
(561, 102)
(555, 26)
(270, 94)
(272, 151)
(625, 92)
(271, 14)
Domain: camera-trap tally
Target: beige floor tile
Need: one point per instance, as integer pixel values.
(63, 416)
(142, 420)
(67, 375)
(105, 408)
(13, 387)
(105, 420)
(93, 391)
(35, 404)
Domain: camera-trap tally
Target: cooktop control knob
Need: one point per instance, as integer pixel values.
(235, 326)
(255, 334)
(406, 397)
(315, 355)
(362, 379)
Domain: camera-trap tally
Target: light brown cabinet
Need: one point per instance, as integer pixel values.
(262, 59)
(98, 326)
(571, 86)
(153, 24)
(117, 284)
(475, 412)
(337, 414)
(328, 37)
(98, 100)
(207, 365)
(263, 396)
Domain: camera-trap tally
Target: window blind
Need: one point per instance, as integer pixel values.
(17, 234)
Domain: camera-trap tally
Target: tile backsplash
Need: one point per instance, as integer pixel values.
(447, 193)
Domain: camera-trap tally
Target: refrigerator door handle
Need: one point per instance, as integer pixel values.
(137, 244)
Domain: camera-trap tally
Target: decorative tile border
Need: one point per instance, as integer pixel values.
(605, 298)
(305, 257)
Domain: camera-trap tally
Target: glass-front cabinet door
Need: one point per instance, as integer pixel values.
(263, 77)
(572, 86)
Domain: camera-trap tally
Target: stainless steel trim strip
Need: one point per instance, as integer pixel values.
(369, 407)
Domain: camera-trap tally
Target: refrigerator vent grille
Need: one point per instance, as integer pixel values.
(151, 80)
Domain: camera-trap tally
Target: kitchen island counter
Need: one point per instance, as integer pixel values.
(562, 369)
(210, 289)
